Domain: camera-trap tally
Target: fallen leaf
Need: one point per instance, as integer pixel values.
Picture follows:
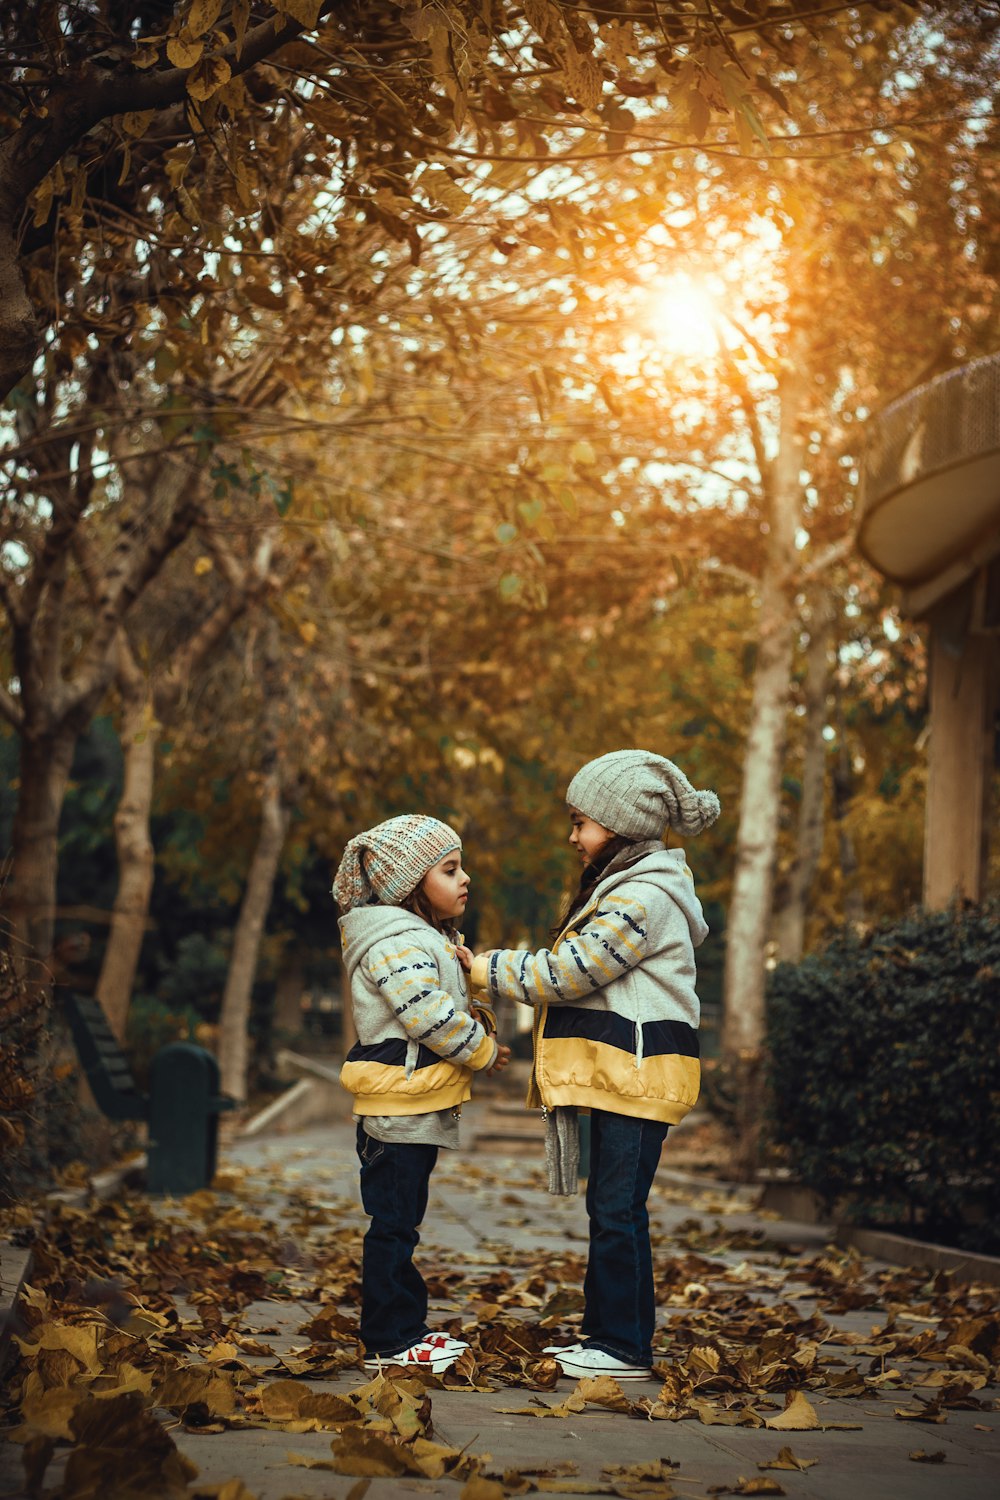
(920, 1457)
(799, 1415)
(292, 1400)
(198, 1385)
(481, 1488)
(747, 1487)
(786, 1459)
(604, 1390)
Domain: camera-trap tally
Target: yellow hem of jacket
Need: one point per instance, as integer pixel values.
(667, 1111)
(416, 1104)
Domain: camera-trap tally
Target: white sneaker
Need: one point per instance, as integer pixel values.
(585, 1360)
(446, 1341)
(422, 1356)
(558, 1349)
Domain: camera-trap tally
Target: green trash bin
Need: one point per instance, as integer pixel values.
(184, 1109)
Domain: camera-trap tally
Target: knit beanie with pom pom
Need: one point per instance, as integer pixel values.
(639, 794)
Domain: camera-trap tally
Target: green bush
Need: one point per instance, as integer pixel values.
(885, 1074)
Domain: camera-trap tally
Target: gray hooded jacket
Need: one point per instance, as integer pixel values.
(617, 1009)
(418, 1045)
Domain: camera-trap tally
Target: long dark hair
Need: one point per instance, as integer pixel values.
(418, 903)
(589, 877)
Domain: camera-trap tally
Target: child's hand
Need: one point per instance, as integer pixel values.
(465, 956)
(501, 1060)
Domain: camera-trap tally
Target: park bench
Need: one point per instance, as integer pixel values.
(182, 1106)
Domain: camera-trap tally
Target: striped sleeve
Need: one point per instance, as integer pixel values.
(407, 979)
(612, 941)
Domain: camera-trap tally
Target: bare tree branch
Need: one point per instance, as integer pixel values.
(830, 555)
(133, 566)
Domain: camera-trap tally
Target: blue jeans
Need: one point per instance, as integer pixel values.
(619, 1303)
(394, 1181)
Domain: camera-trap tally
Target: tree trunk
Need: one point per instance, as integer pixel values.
(288, 996)
(46, 760)
(791, 921)
(843, 792)
(235, 1017)
(749, 923)
(135, 853)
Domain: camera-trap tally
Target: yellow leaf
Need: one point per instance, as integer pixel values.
(79, 1341)
(786, 1460)
(49, 1412)
(184, 50)
(291, 1400)
(604, 1390)
(799, 1415)
(211, 74)
(198, 1384)
(137, 121)
(306, 11)
(443, 189)
(305, 1461)
(224, 1350)
(203, 565)
(481, 1488)
(367, 1454)
(202, 15)
(43, 200)
(241, 16)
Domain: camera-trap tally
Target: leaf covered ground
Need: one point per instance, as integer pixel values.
(153, 1328)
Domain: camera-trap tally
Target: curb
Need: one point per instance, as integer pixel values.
(711, 1184)
(900, 1251)
(103, 1185)
(15, 1269)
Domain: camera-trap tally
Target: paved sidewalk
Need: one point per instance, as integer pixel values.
(490, 1221)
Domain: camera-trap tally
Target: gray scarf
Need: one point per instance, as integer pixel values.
(562, 1150)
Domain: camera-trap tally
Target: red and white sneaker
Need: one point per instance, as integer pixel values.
(421, 1356)
(445, 1341)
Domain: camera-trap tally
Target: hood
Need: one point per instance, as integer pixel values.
(667, 869)
(363, 926)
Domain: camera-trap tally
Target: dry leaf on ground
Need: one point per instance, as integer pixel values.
(786, 1459)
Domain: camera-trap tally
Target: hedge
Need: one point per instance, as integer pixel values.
(884, 1062)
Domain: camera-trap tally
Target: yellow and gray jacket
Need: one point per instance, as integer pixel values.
(616, 1024)
(417, 1044)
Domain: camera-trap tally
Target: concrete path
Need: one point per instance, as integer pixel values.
(739, 1277)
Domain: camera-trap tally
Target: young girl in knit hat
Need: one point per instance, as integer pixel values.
(616, 1030)
(401, 890)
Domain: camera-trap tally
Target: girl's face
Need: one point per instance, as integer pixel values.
(446, 886)
(587, 837)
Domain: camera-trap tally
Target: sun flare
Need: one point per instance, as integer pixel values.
(683, 316)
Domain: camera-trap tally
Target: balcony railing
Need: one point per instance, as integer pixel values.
(948, 421)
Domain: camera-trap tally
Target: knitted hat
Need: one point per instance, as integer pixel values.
(384, 864)
(639, 794)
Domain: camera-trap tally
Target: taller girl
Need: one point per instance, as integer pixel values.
(616, 1029)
